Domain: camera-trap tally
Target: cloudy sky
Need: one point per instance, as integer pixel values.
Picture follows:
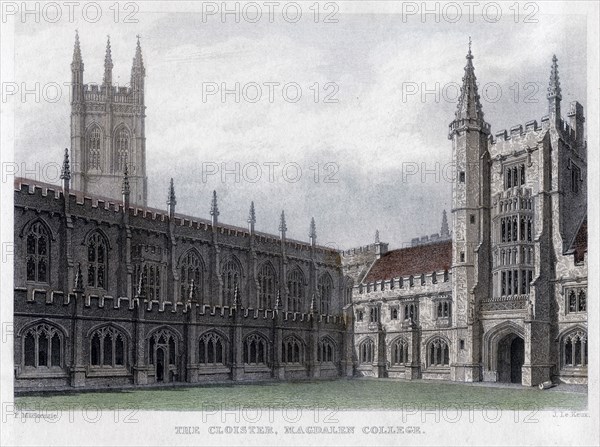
(352, 152)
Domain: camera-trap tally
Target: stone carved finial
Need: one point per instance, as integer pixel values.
(377, 236)
(108, 63)
(282, 224)
(278, 304)
(77, 50)
(445, 231)
(252, 215)
(214, 210)
(171, 199)
(138, 62)
(125, 185)
(251, 218)
(65, 172)
(313, 231)
(214, 206)
(554, 85)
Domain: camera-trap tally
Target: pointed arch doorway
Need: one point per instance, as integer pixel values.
(511, 356)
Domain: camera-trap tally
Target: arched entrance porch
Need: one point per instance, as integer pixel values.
(504, 353)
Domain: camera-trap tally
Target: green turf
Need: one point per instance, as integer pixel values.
(340, 394)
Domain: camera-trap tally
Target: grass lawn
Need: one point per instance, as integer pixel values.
(340, 394)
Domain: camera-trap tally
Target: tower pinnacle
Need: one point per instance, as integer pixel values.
(76, 52)
(214, 209)
(469, 108)
(138, 61)
(554, 95)
(108, 64)
(137, 74)
(313, 232)
(444, 232)
(171, 199)
(282, 224)
(251, 218)
(65, 172)
(554, 86)
(125, 186)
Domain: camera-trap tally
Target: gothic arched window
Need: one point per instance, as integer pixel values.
(266, 286)
(107, 348)
(399, 352)
(43, 347)
(94, 143)
(367, 351)
(230, 274)
(212, 349)
(122, 148)
(97, 261)
(410, 312)
(295, 290)
(577, 301)
(438, 353)
(292, 351)
(191, 268)
(325, 351)
(255, 350)
(154, 281)
(325, 293)
(574, 349)
(38, 250)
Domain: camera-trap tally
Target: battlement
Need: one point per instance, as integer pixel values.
(369, 248)
(99, 93)
(416, 283)
(80, 199)
(568, 129)
(519, 131)
(91, 300)
(431, 239)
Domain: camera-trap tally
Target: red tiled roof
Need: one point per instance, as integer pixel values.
(426, 258)
(580, 242)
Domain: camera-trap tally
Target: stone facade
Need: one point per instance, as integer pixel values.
(109, 292)
(518, 283)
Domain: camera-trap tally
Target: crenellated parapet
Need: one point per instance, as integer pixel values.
(104, 208)
(527, 134)
(100, 93)
(403, 285)
(108, 304)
